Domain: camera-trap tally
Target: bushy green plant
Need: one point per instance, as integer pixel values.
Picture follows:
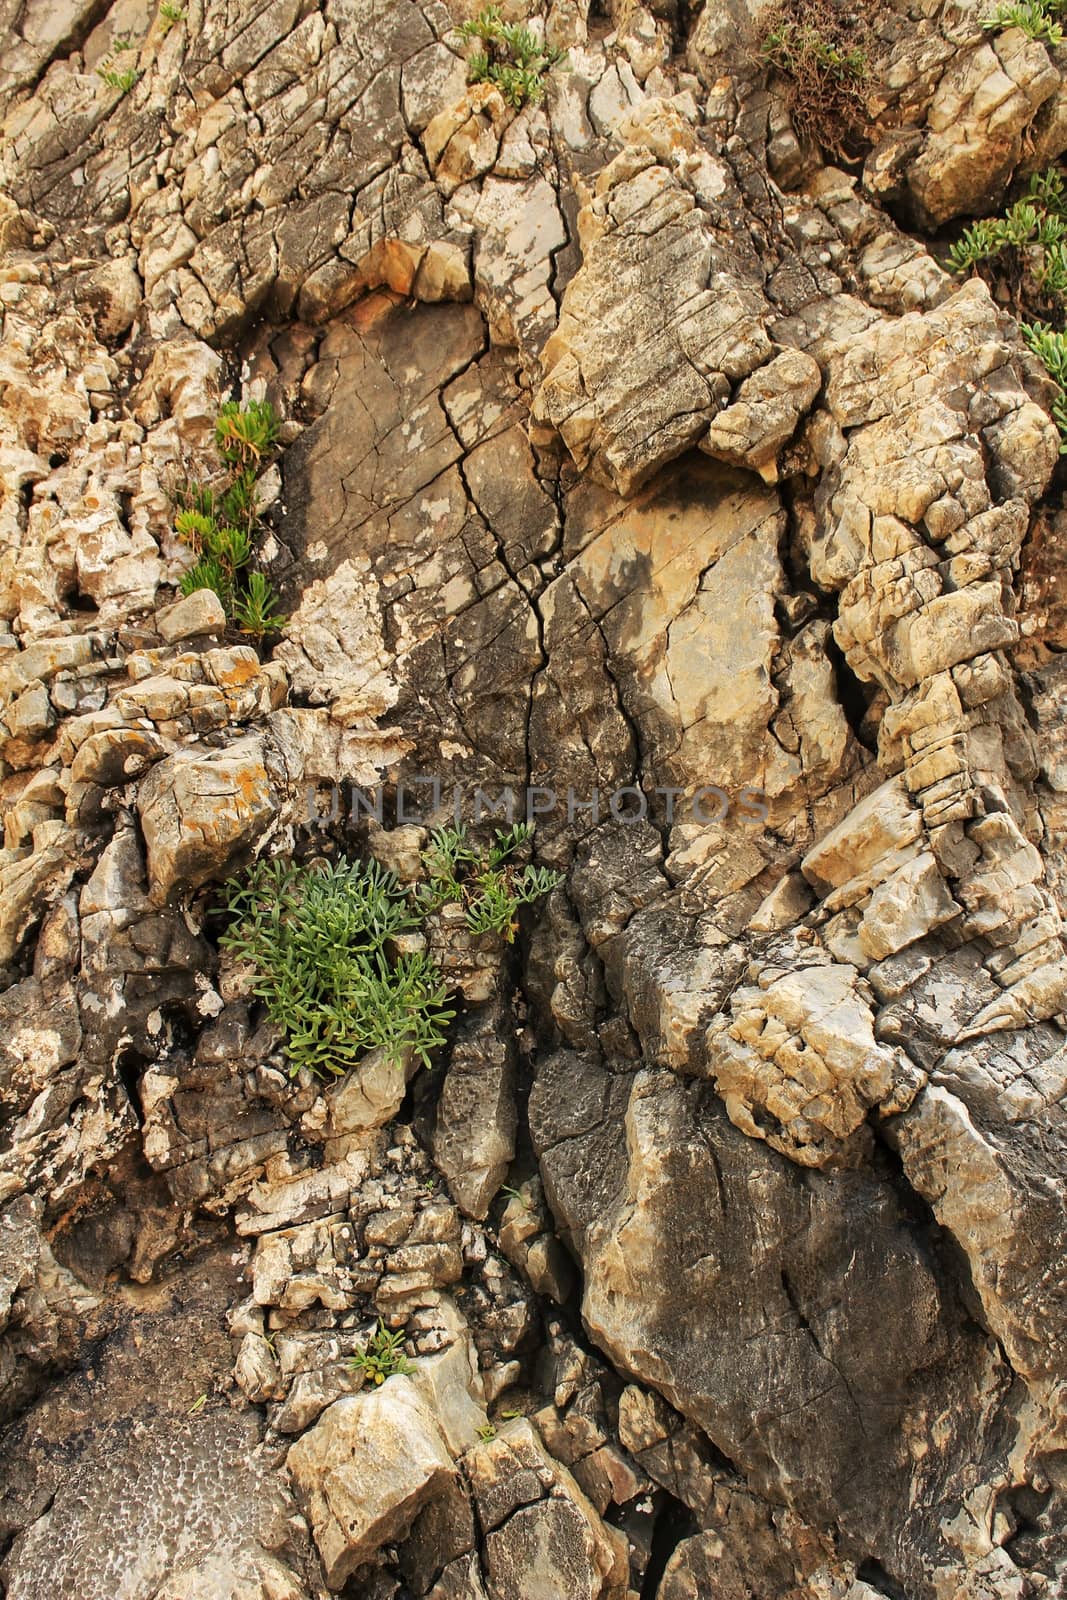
(246, 435)
(319, 939)
(383, 1356)
(483, 879)
(1031, 236)
(511, 57)
(218, 523)
(1038, 218)
(1050, 347)
(169, 14)
(1036, 18)
(819, 51)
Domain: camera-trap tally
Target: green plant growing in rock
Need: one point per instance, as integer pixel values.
(510, 56)
(1038, 19)
(1050, 347)
(383, 1356)
(218, 523)
(1029, 242)
(820, 53)
(170, 14)
(321, 940)
(483, 879)
(109, 71)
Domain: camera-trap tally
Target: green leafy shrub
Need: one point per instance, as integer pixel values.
(1039, 218)
(169, 14)
(323, 941)
(820, 52)
(1036, 18)
(483, 879)
(510, 56)
(218, 523)
(1029, 242)
(383, 1356)
(1050, 347)
(319, 939)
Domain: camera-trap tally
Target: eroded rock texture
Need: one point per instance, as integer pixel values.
(638, 462)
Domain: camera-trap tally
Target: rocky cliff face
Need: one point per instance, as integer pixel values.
(628, 447)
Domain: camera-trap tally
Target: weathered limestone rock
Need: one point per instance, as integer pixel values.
(474, 1140)
(364, 1471)
(700, 329)
(541, 1534)
(764, 414)
(199, 1500)
(976, 124)
(367, 1097)
(198, 613)
(32, 878)
(993, 1181)
(462, 142)
(199, 811)
(797, 1064)
(792, 1388)
(873, 1336)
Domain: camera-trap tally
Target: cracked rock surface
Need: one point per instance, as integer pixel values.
(639, 462)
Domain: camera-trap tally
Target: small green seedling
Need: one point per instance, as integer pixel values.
(486, 1432)
(383, 1355)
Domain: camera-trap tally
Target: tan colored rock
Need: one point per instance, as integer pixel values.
(334, 651)
(433, 76)
(474, 1136)
(698, 331)
(365, 1470)
(197, 613)
(40, 662)
(114, 293)
(237, 1577)
(542, 1536)
(518, 230)
(786, 903)
(885, 822)
(797, 1064)
(32, 878)
(30, 716)
(975, 1183)
(256, 1370)
(367, 1097)
(295, 1268)
(462, 141)
(906, 907)
(763, 415)
(977, 122)
(115, 756)
(200, 808)
(451, 1387)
